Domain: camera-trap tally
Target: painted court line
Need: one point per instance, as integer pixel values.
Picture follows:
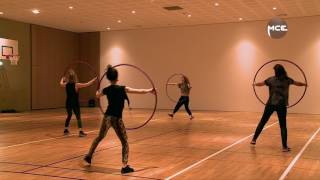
(42, 140)
(293, 162)
(214, 154)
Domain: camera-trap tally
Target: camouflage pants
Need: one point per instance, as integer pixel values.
(120, 130)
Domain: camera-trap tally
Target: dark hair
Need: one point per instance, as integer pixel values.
(72, 76)
(279, 71)
(112, 73)
(186, 80)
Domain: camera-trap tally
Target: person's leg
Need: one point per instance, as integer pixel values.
(66, 124)
(120, 130)
(186, 106)
(177, 107)
(282, 115)
(77, 112)
(105, 125)
(265, 117)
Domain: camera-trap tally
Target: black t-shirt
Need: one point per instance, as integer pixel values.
(278, 90)
(72, 95)
(116, 96)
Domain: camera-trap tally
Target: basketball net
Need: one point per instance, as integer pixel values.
(14, 59)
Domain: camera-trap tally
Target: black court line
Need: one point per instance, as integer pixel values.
(23, 164)
(43, 175)
(75, 157)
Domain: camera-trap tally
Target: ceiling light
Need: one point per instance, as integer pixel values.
(216, 4)
(133, 12)
(119, 21)
(35, 11)
(1, 13)
(240, 19)
(274, 8)
(189, 15)
(71, 7)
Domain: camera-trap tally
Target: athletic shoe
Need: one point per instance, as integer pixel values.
(87, 159)
(82, 134)
(127, 169)
(66, 132)
(191, 117)
(170, 114)
(253, 142)
(287, 149)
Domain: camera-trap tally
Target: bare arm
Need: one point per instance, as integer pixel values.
(260, 84)
(140, 91)
(83, 85)
(63, 83)
(172, 83)
(98, 94)
(297, 83)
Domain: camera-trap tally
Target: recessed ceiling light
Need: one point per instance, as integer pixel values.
(133, 12)
(216, 4)
(240, 19)
(108, 28)
(71, 7)
(35, 11)
(119, 21)
(274, 8)
(189, 15)
(1, 13)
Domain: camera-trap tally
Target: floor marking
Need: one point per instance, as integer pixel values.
(214, 154)
(286, 172)
(43, 175)
(42, 140)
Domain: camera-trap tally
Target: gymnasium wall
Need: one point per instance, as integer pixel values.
(53, 51)
(15, 90)
(220, 60)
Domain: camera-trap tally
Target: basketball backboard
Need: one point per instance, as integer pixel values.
(8, 48)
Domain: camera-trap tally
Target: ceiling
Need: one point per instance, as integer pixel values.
(98, 15)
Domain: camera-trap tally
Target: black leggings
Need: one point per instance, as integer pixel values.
(76, 110)
(184, 100)
(282, 115)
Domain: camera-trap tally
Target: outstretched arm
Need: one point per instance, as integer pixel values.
(63, 83)
(83, 85)
(98, 94)
(297, 83)
(139, 91)
(260, 84)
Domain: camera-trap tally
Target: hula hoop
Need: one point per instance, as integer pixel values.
(167, 91)
(280, 60)
(81, 62)
(152, 84)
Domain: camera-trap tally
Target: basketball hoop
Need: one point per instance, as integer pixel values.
(14, 59)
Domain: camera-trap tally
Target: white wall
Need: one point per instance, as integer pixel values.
(220, 60)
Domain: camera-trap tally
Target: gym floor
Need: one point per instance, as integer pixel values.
(215, 145)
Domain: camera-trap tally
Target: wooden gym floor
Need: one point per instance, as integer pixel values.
(215, 145)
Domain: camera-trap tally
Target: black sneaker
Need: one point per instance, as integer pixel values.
(253, 142)
(191, 117)
(127, 169)
(66, 132)
(170, 114)
(87, 159)
(82, 134)
(286, 149)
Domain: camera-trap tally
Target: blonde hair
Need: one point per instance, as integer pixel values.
(71, 76)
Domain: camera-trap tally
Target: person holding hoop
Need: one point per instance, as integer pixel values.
(72, 86)
(116, 96)
(185, 88)
(278, 101)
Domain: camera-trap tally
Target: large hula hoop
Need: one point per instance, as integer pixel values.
(152, 84)
(167, 91)
(280, 60)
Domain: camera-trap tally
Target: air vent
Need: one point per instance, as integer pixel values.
(172, 8)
